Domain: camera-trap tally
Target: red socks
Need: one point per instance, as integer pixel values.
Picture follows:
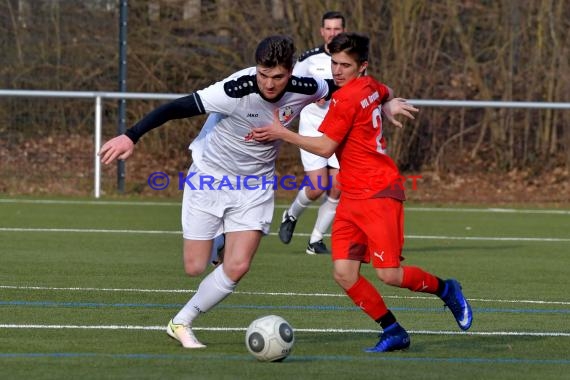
(365, 296)
(418, 280)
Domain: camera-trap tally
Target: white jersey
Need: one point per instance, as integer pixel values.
(224, 147)
(315, 63)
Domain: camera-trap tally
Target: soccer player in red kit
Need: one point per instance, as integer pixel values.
(369, 222)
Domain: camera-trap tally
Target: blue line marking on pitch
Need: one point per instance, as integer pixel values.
(308, 358)
(268, 307)
(87, 304)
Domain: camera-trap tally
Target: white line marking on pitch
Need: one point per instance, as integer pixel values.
(411, 208)
(87, 230)
(158, 232)
(329, 330)
(284, 294)
(96, 203)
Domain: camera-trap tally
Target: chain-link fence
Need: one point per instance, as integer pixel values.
(40, 159)
(424, 50)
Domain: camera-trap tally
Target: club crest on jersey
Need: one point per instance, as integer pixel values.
(285, 114)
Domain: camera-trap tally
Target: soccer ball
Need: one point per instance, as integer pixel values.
(269, 338)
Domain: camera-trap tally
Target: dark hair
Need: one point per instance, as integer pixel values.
(354, 44)
(277, 50)
(332, 15)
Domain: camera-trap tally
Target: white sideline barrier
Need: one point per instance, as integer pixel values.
(98, 96)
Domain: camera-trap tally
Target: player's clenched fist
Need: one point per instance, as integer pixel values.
(120, 147)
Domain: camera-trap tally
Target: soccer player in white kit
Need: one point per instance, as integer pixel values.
(229, 186)
(320, 171)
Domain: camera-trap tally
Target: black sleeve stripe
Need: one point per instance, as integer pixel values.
(332, 88)
(302, 85)
(199, 104)
(308, 53)
(187, 106)
(242, 86)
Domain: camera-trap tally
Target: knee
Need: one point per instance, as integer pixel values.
(344, 279)
(334, 193)
(390, 276)
(313, 194)
(194, 268)
(338, 277)
(194, 271)
(235, 271)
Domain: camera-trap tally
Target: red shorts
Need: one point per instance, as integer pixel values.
(369, 230)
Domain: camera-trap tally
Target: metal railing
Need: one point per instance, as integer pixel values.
(99, 96)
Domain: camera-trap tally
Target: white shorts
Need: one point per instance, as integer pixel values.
(308, 126)
(206, 212)
(313, 162)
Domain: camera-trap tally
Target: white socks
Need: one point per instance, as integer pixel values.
(325, 217)
(213, 289)
(299, 205)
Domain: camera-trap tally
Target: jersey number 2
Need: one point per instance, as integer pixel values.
(377, 124)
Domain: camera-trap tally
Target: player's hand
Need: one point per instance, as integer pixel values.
(398, 106)
(272, 132)
(120, 147)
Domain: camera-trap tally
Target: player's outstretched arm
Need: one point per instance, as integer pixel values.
(395, 107)
(322, 146)
(120, 147)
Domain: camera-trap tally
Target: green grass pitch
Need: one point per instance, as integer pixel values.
(87, 288)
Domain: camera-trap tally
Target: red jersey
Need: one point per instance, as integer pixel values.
(354, 120)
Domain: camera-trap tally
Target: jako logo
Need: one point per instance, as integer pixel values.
(252, 115)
